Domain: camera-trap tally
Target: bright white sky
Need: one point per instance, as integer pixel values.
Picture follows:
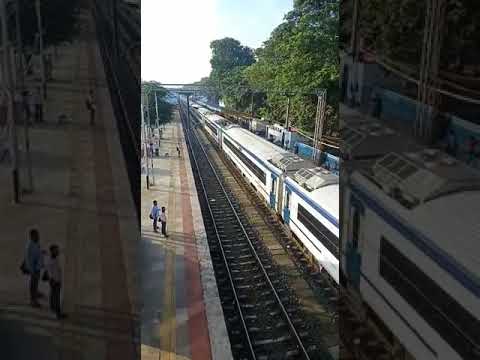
(176, 34)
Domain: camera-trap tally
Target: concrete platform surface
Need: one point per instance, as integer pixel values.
(82, 202)
(182, 317)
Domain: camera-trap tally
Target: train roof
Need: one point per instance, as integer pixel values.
(366, 138)
(256, 145)
(434, 195)
(217, 119)
(328, 197)
(418, 177)
(452, 221)
(319, 185)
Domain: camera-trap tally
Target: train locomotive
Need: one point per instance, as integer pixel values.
(410, 241)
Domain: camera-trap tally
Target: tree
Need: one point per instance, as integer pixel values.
(228, 53)
(300, 58)
(394, 29)
(229, 60)
(165, 109)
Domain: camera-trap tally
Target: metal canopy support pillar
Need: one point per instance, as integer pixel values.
(21, 88)
(8, 89)
(319, 122)
(251, 105)
(142, 110)
(156, 110)
(40, 39)
(251, 111)
(149, 135)
(115, 29)
(188, 111)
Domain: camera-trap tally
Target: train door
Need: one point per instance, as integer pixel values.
(219, 137)
(273, 192)
(354, 259)
(279, 190)
(286, 209)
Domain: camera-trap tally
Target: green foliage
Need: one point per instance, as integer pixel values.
(299, 58)
(59, 20)
(208, 89)
(228, 53)
(165, 109)
(395, 30)
(229, 60)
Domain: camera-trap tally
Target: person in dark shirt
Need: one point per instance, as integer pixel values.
(472, 146)
(55, 279)
(34, 265)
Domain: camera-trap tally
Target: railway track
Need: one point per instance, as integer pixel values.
(327, 292)
(261, 312)
(263, 218)
(317, 292)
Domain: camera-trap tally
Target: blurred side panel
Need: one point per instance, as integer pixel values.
(410, 179)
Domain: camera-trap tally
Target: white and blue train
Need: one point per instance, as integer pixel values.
(305, 197)
(412, 242)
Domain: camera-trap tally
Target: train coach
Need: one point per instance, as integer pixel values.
(214, 125)
(304, 196)
(311, 209)
(409, 227)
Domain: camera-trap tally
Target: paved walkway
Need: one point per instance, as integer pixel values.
(82, 202)
(182, 317)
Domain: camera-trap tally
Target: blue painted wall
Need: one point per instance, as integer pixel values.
(327, 160)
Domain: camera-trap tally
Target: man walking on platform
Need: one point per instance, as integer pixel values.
(33, 265)
(38, 106)
(55, 278)
(154, 215)
(90, 102)
(163, 219)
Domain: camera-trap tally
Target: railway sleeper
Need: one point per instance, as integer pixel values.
(270, 341)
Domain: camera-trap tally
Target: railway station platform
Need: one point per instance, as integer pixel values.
(182, 317)
(81, 200)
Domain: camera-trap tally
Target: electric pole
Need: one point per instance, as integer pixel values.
(21, 89)
(188, 111)
(319, 120)
(288, 111)
(156, 111)
(40, 40)
(145, 145)
(8, 89)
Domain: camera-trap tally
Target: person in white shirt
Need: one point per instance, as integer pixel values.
(154, 215)
(163, 219)
(55, 278)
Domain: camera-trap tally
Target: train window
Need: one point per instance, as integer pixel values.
(287, 200)
(356, 227)
(211, 127)
(325, 236)
(259, 173)
(274, 183)
(456, 325)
